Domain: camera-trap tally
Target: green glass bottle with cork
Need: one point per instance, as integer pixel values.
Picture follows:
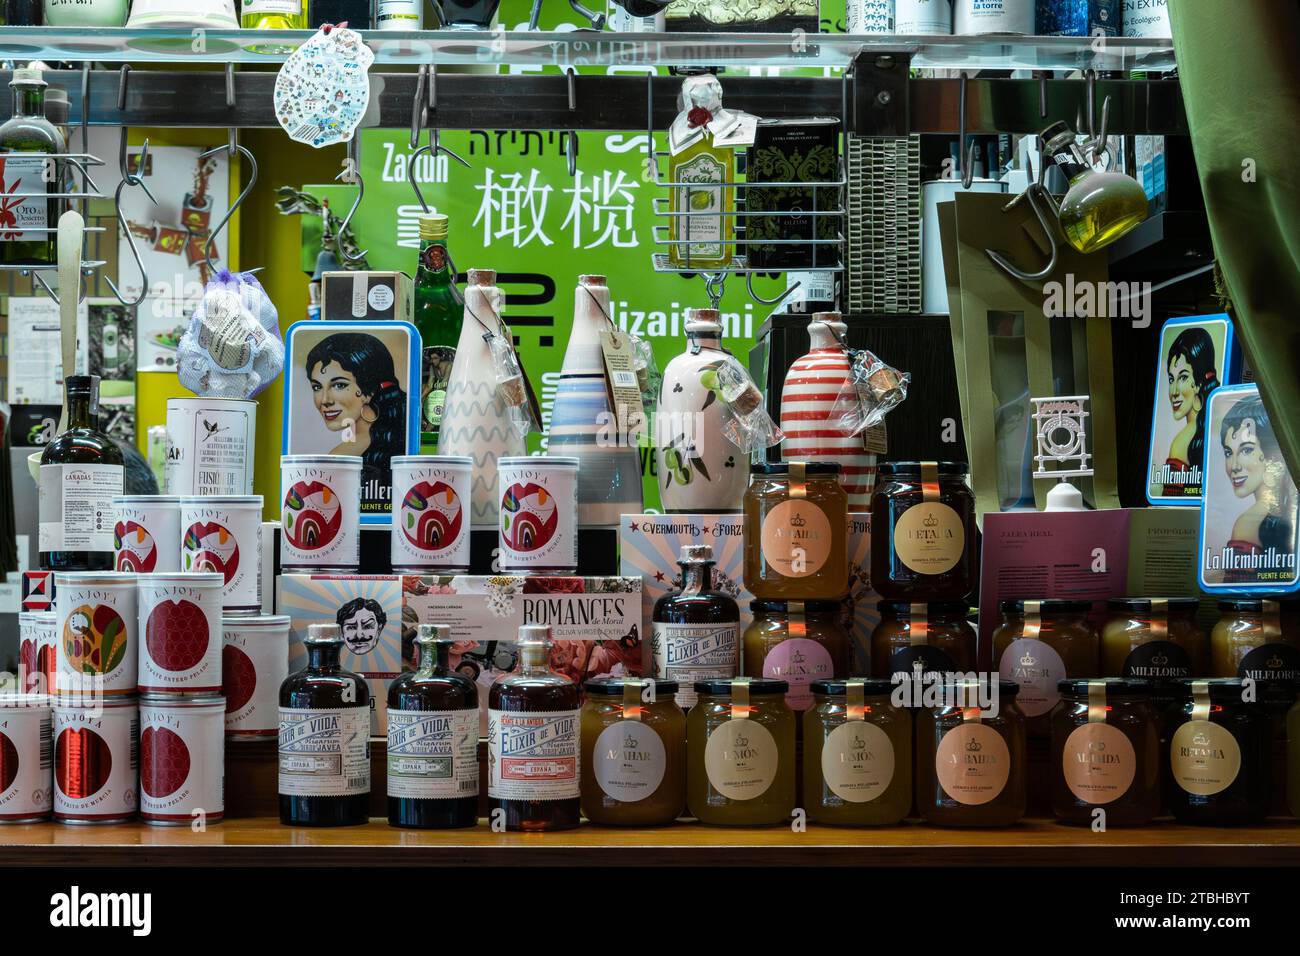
(438, 313)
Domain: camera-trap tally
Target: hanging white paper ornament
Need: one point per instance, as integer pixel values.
(323, 89)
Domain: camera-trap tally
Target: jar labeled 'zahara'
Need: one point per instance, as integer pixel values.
(796, 532)
(923, 532)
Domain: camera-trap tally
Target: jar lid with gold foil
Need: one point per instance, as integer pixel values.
(912, 469)
(1047, 606)
(779, 468)
(721, 687)
(1219, 689)
(871, 686)
(933, 608)
(1181, 605)
(614, 686)
(1115, 686)
(808, 607)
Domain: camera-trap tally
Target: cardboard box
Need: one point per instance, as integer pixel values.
(650, 544)
(596, 623)
(353, 296)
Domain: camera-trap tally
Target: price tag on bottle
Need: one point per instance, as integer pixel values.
(624, 389)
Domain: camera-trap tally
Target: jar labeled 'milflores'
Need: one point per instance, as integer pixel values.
(922, 532)
(320, 512)
(1155, 639)
(740, 753)
(933, 637)
(1106, 746)
(798, 642)
(633, 752)
(970, 757)
(1259, 639)
(857, 756)
(796, 532)
(1039, 644)
(1220, 755)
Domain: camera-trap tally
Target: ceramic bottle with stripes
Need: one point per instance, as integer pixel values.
(811, 434)
(582, 424)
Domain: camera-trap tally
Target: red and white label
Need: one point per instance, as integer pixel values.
(96, 763)
(180, 627)
(254, 663)
(182, 761)
(26, 756)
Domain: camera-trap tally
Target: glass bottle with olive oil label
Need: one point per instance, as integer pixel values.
(28, 174)
(1099, 207)
(702, 209)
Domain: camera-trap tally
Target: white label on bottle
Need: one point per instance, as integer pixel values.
(690, 652)
(399, 15)
(288, 8)
(433, 754)
(629, 761)
(533, 755)
(76, 506)
(324, 752)
(24, 174)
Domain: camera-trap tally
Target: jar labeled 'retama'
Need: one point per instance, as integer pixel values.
(912, 638)
(970, 757)
(796, 532)
(857, 754)
(633, 752)
(1038, 645)
(923, 532)
(740, 753)
(797, 642)
(1155, 639)
(1106, 751)
(1220, 755)
(1259, 639)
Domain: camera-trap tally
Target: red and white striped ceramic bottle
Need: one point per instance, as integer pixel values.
(811, 387)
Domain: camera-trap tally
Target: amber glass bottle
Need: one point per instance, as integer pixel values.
(324, 746)
(433, 740)
(695, 633)
(533, 742)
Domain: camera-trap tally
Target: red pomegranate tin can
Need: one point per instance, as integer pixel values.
(182, 760)
(25, 782)
(254, 663)
(180, 629)
(96, 761)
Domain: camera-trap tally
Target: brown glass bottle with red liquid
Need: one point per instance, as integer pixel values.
(534, 742)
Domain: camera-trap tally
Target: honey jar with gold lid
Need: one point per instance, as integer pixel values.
(798, 642)
(1155, 639)
(1259, 638)
(923, 532)
(796, 532)
(1220, 754)
(925, 637)
(1038, 644)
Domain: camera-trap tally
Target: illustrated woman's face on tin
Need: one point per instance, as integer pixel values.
(337, 396)
(1182, 388)
(1244, 460)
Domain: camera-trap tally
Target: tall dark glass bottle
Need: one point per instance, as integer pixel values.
(433, 740)
(81, 472)
(324, 743)
(695, 632)
(438, 315)
(23, 13)
(27, 142)
(533, 742)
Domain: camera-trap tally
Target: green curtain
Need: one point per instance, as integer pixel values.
(1240, 72)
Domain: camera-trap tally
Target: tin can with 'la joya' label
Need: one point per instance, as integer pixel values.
(538, 514)
(147, 533)
(95, 629)
(96, 761)
(210, 444)
(182, 760)
(37, 651)
(320, 512)
(222, 534)
(180, 633)
(254, 663)
(25, 758)
(431, 520)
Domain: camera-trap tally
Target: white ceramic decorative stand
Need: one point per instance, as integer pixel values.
(1060, 427)
(700, 469)
(582, 424)
(476, 422)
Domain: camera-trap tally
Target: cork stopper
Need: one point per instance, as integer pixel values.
(703, 322)
(591, 280)
(483, 277)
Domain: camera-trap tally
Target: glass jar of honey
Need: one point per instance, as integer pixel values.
(796, 532)
(926, 637)
(970, 757)
(1259, 639)
(922, 532)
(740, 753)
(1155, 639)
(1220, 755)
(1293, 759)
(1106, 752)
(797, 642)
(1039, 644)
(633, 752)
(857, 754)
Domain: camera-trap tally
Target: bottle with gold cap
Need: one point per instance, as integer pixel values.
(437, 317)
(433, 740)
(533, 742)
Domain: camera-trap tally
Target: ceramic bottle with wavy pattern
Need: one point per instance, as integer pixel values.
(609, 471)
(475, 421)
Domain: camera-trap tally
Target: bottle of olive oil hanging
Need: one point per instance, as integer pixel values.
(28, 141)
(702, 225)
(1099, 207)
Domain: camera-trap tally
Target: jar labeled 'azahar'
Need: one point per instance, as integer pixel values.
(1039, 644)
(796, 532)
(1220, 755)
(922, 532)
(857, 754)
(740, 753)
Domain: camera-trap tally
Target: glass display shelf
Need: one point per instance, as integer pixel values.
(586, 48)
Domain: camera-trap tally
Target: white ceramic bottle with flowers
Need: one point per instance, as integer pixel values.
(700, 469)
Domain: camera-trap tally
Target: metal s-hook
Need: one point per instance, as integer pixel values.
(230, 105)
(239, 200)
(129, 178)
(965, 154)
(352, 172)
(1040, 201)
(426, 100)
(569, 72)
(749, 286)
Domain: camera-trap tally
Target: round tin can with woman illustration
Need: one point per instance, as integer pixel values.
(96, 630)
(25, 794)
(320, 512)
(96, 761)
(254, 663)
(182, 762)
(147, 533)
(180, 633)
(222, 534)
(431, 513)
(539, 514)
